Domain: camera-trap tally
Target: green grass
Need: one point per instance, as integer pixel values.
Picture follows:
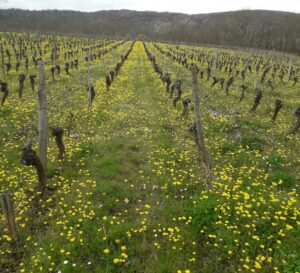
(132, 178)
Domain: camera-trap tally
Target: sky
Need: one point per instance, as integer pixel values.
(183, 6)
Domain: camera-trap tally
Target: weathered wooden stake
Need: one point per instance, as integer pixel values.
(8, 209)
(289, 71)
(42, 115)
(2, 59)
(89, 79)
(20, 48)
(54, 49)
(206, 160)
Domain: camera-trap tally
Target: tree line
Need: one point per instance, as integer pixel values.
(261, 29)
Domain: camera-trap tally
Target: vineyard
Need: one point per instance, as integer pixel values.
(123, 156)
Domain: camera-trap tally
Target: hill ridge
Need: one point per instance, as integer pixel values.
(245, 28)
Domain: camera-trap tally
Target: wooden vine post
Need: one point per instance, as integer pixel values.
(290, 67)
(42, 116)
(89, 78)
(20, 47)
(54, 49)
(2, 58)
(8, 209)
(205, 158)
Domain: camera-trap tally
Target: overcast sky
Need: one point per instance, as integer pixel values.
(185, 6)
